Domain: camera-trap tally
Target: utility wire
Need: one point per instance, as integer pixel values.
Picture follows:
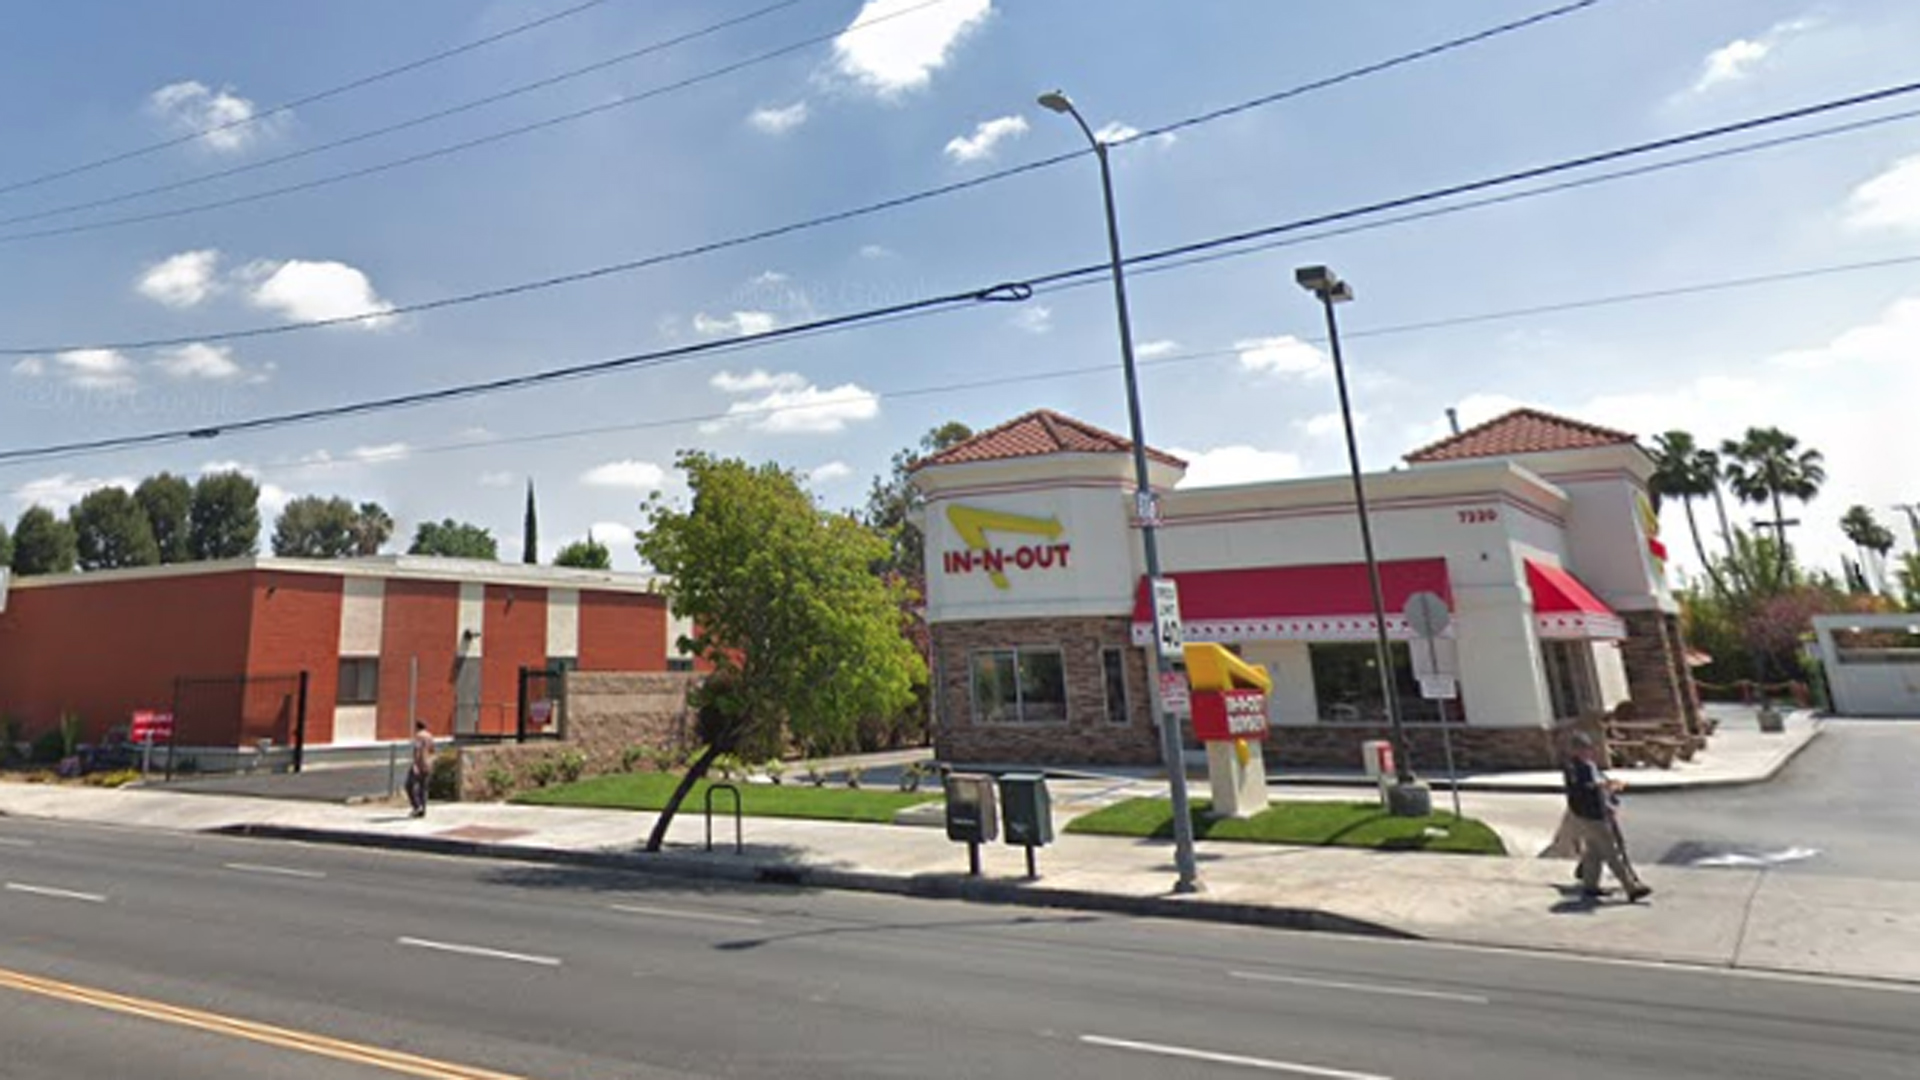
(403, 125)
(467, 144)
(302, 102)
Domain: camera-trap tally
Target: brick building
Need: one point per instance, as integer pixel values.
(1536, 530)
(380, 639)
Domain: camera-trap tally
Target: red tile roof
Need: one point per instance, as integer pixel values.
(1037, 434)
(1522, 431)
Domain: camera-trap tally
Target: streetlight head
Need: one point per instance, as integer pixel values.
(1056, 101)
(1323, 283)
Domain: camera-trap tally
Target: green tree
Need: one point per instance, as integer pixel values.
(803, 638)
(1685, 471)
(893, 499)
(43, 544)
(1766, 467)
(453, 540)
(372, 528)
(530, 532)
(167, 500)
(111, 531)
(6, 555)
(223, 521)
(588, 554)
(315, 528)
(1909, 575)
(1873, 541)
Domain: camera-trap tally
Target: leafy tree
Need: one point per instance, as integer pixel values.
(453, 540)
(167, 500)
(315, 528)
(6, 552)
(892, 500)
(1871, 540)
(372, 528)
(530, 532)
(1767, 466)
(1909, 576)
(1685, 471)
(804, 639)
(111, 531)
(43, 544)
(223, 521)
(588, 554)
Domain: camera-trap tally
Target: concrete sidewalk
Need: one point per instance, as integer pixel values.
(1735, 918)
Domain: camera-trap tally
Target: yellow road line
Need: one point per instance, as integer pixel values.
(252, 1031)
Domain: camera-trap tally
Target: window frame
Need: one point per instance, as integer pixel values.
(341, 696)
(1019, 708)
(1122, 716)
(1397, 651)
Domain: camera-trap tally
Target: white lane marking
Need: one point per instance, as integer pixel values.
(475, 950)
(282, 871)
(1266, 1064)
(58, 894)
(1361, 988)
(8, 841)
(700, 916)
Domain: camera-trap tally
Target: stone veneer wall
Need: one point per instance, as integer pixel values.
(1087, 738)
(1658, 680)
(1474, 748)
(605, 714)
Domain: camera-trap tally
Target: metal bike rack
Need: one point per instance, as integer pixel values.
(739, 840)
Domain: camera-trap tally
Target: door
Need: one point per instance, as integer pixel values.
(466, 696)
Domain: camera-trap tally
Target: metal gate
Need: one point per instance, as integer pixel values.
(542, 709)
(226, 723)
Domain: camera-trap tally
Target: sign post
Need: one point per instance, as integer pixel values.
(1429, 618)
(147, 726)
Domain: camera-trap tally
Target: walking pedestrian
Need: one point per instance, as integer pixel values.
(421, 770)
(1593, 804)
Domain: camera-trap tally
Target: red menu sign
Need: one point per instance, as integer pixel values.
(1229, 714)
(151, 725)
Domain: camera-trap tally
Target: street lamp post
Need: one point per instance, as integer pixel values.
(1170, 748)
(1406, 796)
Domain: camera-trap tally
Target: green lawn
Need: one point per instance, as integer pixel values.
(1310, 824)
(650, 791)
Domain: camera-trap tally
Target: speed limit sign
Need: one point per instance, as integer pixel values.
(1166, 617)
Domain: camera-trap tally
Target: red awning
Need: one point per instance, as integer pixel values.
(1332, 602)
(1564, 608)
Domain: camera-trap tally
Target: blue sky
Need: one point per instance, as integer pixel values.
(931, 96)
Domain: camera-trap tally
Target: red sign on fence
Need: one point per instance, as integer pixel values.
(149, 725)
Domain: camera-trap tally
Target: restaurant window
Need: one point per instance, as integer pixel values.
(359, 681)
(1113, 666)
(1346, 681)
(1020, 686)
(1570, 680)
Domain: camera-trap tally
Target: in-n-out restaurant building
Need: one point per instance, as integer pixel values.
(1536, 530)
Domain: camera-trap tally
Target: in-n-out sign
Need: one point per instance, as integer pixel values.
(983, 555)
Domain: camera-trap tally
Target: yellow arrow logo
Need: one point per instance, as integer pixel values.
(973, 524)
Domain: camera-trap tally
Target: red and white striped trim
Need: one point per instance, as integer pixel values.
(1579, 626)
(1312, 628)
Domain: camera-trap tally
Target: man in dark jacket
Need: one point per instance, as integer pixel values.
(1592, 801)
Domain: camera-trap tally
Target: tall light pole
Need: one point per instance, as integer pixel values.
(1406, 796)
(1170, 748)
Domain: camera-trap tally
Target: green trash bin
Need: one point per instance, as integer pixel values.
(1027, 810)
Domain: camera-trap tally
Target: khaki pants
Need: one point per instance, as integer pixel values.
(1597, 845)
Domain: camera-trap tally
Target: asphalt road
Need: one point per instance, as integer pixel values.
(1849, 805)
(236, 958)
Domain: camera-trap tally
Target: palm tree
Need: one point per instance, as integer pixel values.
(1858, 526)
(1685, 471)
(1767, 466)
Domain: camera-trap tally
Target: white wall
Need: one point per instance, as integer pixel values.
(1607, 545)
(563, 623)
(469, 636)
(363, 611)
(1291, 667)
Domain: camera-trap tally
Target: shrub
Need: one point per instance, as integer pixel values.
(632, 756)
(69, 733)
(542, 772)
(728, 767)
(443, 781)
(48, 748)
(911, 776)
(499, 781)
(814, 776)
(666, 758)
(9, 739)
(853, 776)
(570, 765)
(114, 779)
(774, 769)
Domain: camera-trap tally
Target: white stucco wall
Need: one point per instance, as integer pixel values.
(1291, 667)
(563, 623)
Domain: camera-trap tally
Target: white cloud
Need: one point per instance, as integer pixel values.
(306, 291)
(1236, 465)
(1034, 318)
(630, 474)
(831, 471)
(384, 452)
(986, 135)
(778, 121)
(1739, 58)
(612, 534)
(200, 361)
(1325, 424)
(1471, 410)
(1117, 132)
(1890, 200)
(738, 324)
(1284, 355)
(1153, 350)
(31, 367)
(790, 405)
(189, 107)
(62, 490)
(497, 479)
(901, 54)
(876, 251)
(92, 369)
(183, 280)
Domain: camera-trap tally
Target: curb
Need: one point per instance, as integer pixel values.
(918, 886)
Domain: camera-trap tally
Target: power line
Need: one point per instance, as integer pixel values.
(467, 144)
(302, 102)
(427, 118)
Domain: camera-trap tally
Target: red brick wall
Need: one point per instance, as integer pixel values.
(296, 627)
(622, 632)
(421, 620)
(514, 636)
(105, 649)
